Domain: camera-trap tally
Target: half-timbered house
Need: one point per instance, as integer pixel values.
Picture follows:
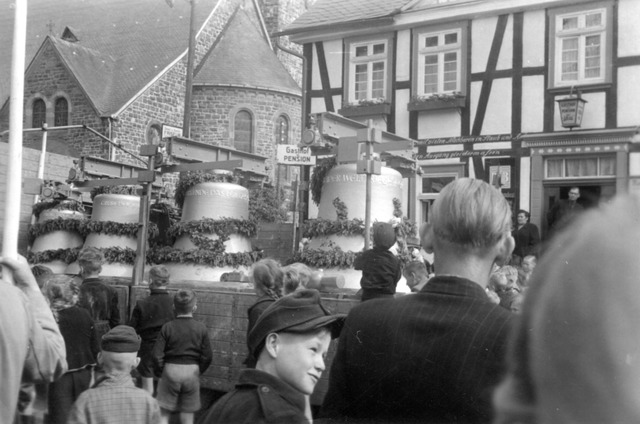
(476, 83)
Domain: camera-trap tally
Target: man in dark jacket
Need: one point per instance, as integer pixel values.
(434, 356)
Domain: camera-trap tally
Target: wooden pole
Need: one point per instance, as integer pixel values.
(41, 163)
(367, 208)
(14, 164)
(143, 225)
(186, 123)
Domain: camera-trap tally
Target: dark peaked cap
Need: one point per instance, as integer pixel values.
(298, 312)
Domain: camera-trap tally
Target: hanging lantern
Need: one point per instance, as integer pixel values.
(571, 110)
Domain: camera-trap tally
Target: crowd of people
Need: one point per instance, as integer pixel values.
(492, 331)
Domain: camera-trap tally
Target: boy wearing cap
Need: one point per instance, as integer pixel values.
(181, 353)
(381, 269)
(114, 399)
(148, 317)
(290, 340)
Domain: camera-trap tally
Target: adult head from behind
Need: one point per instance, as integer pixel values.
(158, 276)
(90, 260)
(574, 355)
(266, 276)
(469, 230)
(416, 274)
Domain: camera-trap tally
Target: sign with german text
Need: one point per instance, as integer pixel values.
(293, 155)
(494, 138)
(170, 131)
(424, 155)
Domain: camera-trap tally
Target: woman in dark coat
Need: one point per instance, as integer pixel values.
(527, 237)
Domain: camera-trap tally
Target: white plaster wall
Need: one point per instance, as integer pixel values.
(316, 83)
(402, 114)
(505, 58)
(628, 96)
(333, 54)
(439, 123)
(525, 183)
(317, 105)
(403, 56)
(445, 148)
(337, 101)
(634, 164)
(482, 31)
(628, 29)
(497, 119)
(594, 112)
(533, 38)
(499, 145)
(532, 104)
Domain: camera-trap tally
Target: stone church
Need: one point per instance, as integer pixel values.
(119, 67)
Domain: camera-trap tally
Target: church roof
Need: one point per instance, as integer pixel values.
(242, 57)
(122, 45)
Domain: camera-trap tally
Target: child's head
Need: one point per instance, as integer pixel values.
(497, 281)
(528, 263)
(158, 276)
(61, 290)
(90, 260)
(511, 273)
(119, 352)
(384, 236)
(296, 276)
(266, 276)
(42, 274)
(291, 339)
(185, 302)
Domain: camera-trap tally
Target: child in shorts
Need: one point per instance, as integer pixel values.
(181, 354)
(290, 340)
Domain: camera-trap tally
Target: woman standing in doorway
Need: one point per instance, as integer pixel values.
(527, 237)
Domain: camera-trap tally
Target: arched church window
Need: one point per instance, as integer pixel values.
(39, 115)
(61, 112)
(243, 131)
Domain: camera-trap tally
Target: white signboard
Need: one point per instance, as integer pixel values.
(293, 155)
(169, 131)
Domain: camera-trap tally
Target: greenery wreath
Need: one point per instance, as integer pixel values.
(127, 229)
(191, 178)
(323, 166)
(65, 255)
(57, 224)
(204, 257)
(330, 258)
(69, 205)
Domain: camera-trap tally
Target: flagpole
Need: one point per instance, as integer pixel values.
(14, 162)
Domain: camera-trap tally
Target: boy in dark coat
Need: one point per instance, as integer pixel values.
(290, 340)
(381, 269)
(148, 317)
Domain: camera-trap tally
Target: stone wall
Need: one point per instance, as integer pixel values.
(214, 107)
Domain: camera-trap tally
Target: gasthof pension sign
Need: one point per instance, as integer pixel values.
(294, 155)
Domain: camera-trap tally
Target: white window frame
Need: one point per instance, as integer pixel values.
(369, 60)
(584, 177)
(440, 51)
(604, 31)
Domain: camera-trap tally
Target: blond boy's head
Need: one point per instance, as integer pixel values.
(291, 339)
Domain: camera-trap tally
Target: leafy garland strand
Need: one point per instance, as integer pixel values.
(320, 258)
(320, 171)
(325, 227)
(128, 229)
(204, 257)
(57, 224)
(222, 226)
(191, 178)
(111, 255)
(62, 205)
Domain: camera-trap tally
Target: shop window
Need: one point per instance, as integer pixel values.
(39, 115)
(581, 46)
(368, 71)
(243, 131)
(581, 167)
(61, 113)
